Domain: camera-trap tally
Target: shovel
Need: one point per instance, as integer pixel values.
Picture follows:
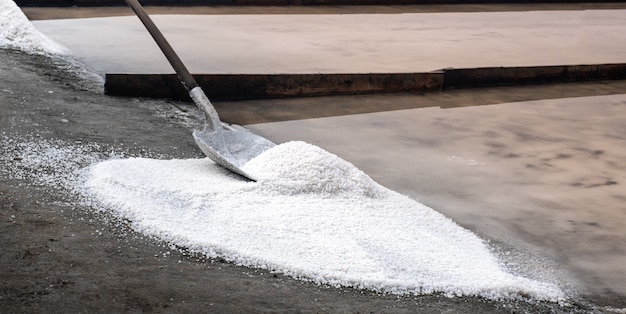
(228, 146)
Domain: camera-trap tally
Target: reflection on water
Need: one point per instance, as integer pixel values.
(263, 111)
(545, 175)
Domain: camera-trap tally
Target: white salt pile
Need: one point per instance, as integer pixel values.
(312, 216)
(16, 32)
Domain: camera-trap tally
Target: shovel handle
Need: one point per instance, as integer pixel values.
(181, 71)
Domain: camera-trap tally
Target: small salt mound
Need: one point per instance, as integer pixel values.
(298, 167)
(16, 32)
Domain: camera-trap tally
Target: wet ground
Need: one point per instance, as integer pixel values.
(536, 170)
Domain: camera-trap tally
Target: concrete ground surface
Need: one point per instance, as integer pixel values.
(536, 170)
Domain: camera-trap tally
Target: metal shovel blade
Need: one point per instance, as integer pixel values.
(229, 147)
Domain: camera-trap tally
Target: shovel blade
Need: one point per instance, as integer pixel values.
(231, 148)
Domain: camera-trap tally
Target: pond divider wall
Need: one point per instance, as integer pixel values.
(264, 86)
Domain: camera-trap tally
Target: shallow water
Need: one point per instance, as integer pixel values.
(358, 43)
(544, 176)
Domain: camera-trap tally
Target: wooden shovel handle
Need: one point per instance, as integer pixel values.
(183, 74)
